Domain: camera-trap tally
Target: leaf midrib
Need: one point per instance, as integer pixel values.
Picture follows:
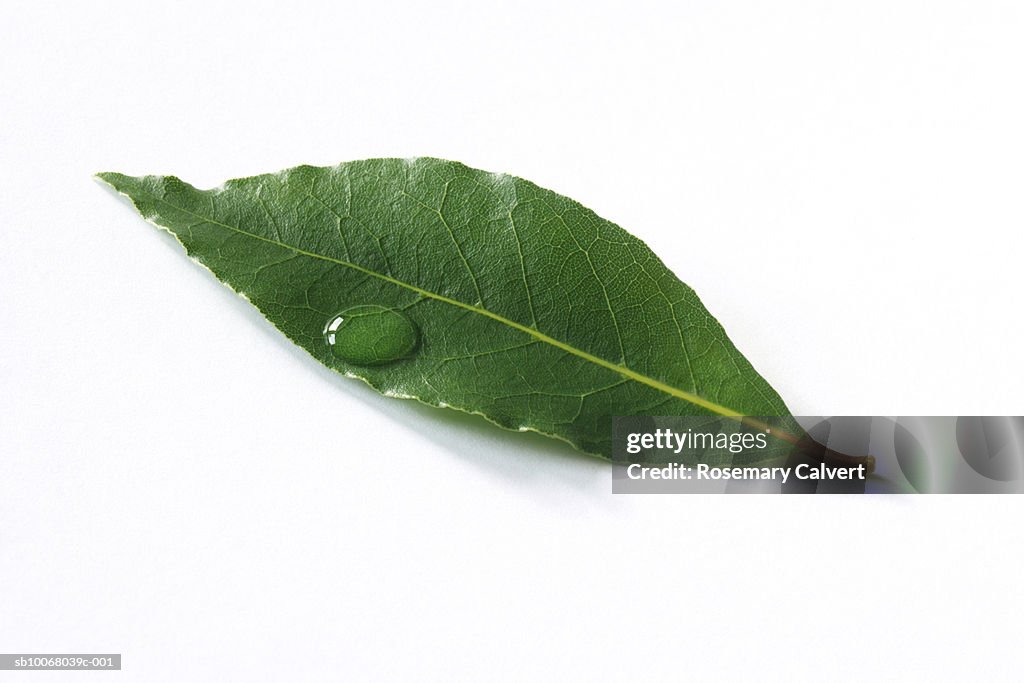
(537, 334)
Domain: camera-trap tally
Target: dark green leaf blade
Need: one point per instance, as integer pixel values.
(530, 309)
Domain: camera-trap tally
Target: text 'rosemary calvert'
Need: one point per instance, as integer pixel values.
(677, 471)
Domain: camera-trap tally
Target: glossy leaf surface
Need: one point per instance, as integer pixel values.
(519, 304)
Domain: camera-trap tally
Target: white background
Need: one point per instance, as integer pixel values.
(840, 182)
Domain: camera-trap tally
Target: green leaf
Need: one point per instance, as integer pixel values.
(463, 289)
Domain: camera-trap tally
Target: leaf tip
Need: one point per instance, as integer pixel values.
(108, 177)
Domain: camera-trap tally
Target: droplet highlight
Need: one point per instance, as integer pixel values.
(371, 335)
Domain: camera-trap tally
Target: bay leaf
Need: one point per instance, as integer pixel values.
(464, 289)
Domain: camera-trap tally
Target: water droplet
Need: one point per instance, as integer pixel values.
(370, 335)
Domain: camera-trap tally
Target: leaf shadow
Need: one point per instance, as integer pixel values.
(513, 456)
